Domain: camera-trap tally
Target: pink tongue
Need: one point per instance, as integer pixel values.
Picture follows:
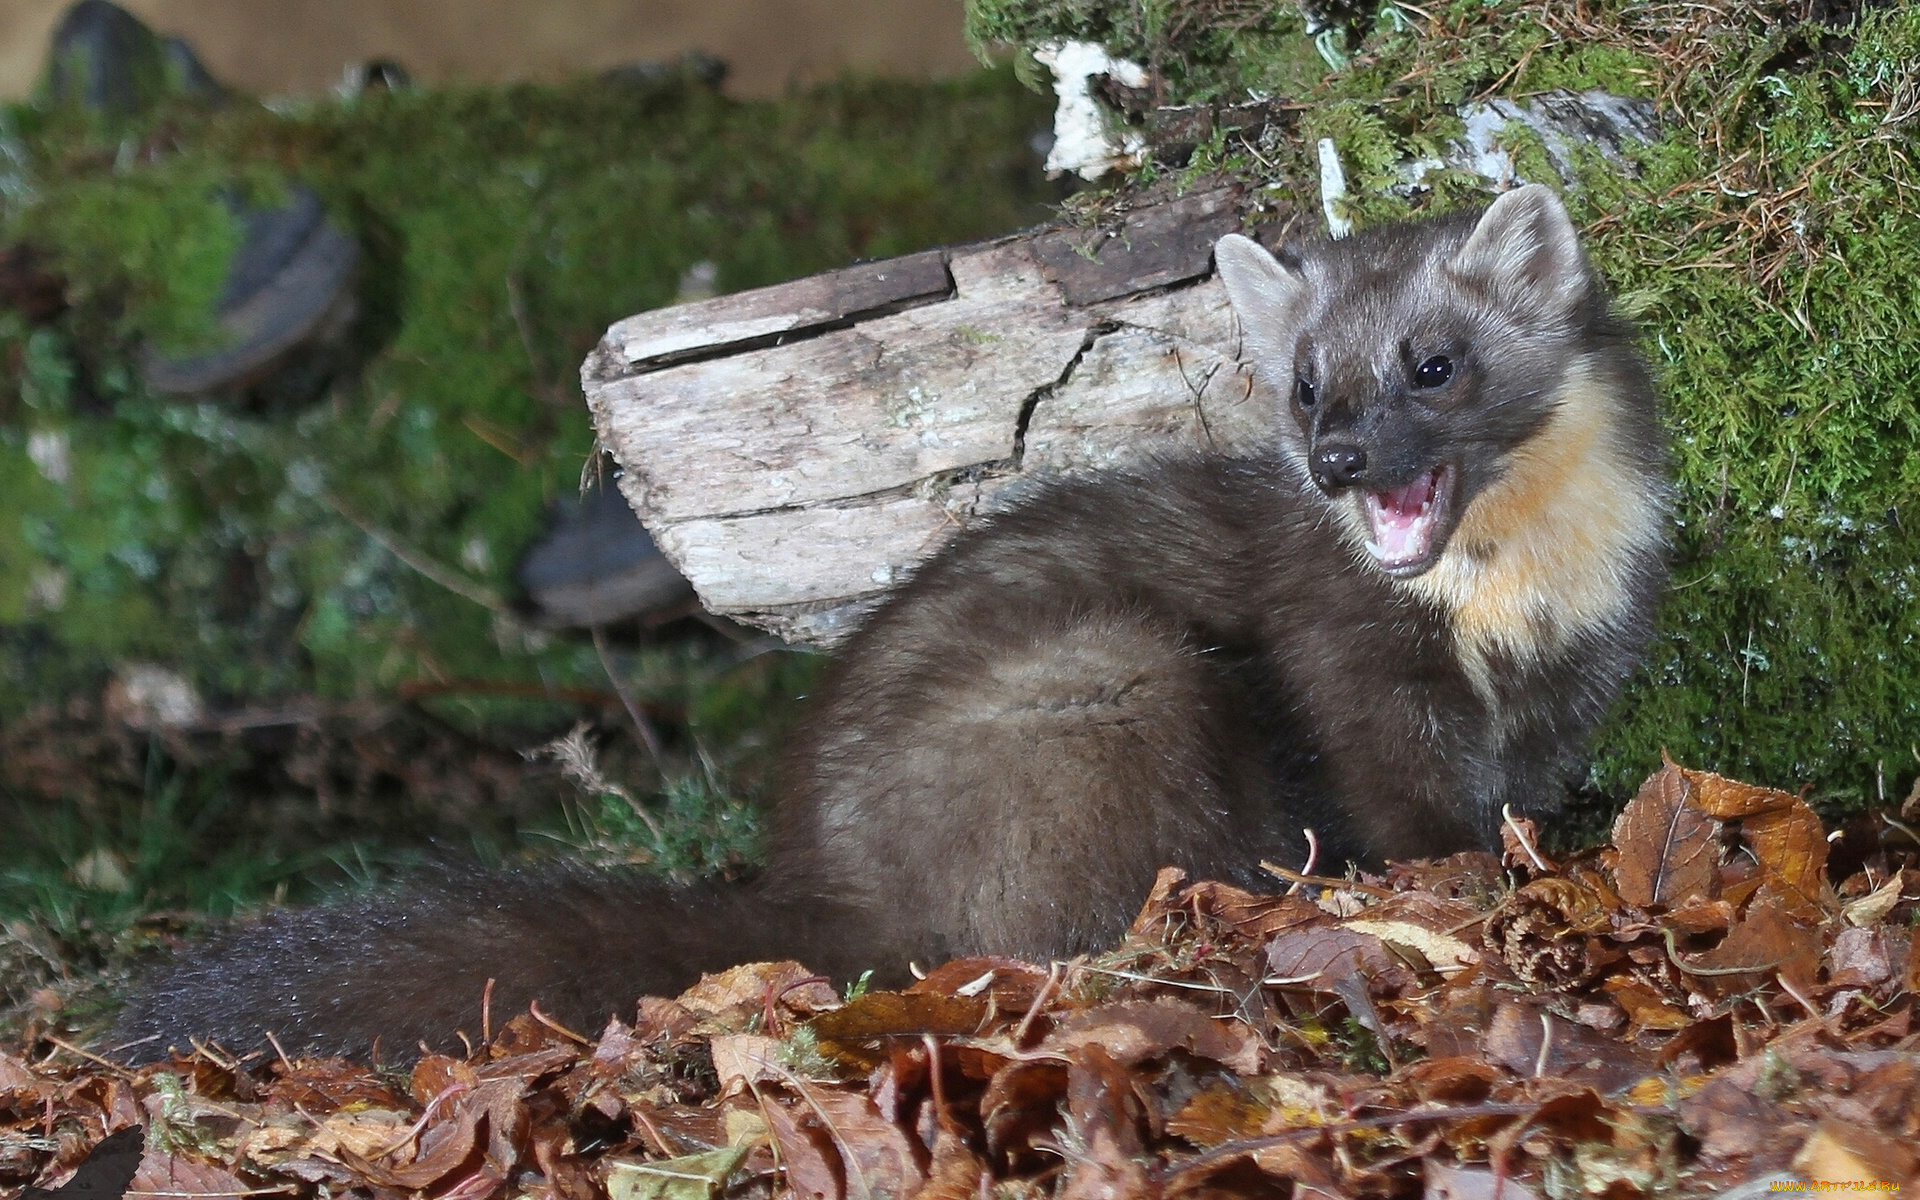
(1402, 520)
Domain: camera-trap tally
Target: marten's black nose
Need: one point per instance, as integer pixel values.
(1337, 466)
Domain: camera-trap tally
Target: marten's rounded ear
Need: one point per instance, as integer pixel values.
(1270, 300)
(1526, 250)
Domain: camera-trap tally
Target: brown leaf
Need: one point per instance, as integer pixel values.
(901, 1014)
(733, 998)
(1305, 1164)
(881, 1162)
(508, 1123)
(1872, 908)
(956, 1173)
(1733, 1124)
(176, 1173)
(18, 1082)
(1786, 837)
(1106, 1110)
(1667, 845)
(1645, 1007)
(1469, 875)
(328, 1084)
(1848, 1154)
(1767, 942)
(1455, 1080)
(663, 1021)
(1520, 1033)
(813, 1167)
(1859, 958)
(1433, 927)
(1163, 911)
(446, 1150)
(1220, 1113)
(1472, 1183)
(617, 1052)
(1294, 1102)
(1708, 1044)
(1106, 1171)
(1699, 915)
(1520, 844)
(854, 1032)
(743, 1059)
(435, 1074)
(1321, 957)
(1019, 1102)
(1132, 1031)
(1008, 984)
(1253, 917)
(1459, 1016)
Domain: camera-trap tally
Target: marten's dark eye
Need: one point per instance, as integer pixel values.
(1303, 393)
(1434, 372)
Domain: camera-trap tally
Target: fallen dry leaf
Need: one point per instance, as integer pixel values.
(1130, 1032)
(1321, 957)
(1668, 848)
(1848, 1156)
(1235, 1044)
(1768, 943)
(1873, 907)
(1473, 1183)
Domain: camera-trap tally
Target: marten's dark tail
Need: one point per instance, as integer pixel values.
(411, 965)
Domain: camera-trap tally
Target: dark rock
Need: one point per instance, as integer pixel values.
(103, 58)
(596, 565)
(290, 287)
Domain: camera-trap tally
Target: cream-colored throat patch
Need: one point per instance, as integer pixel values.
(1545, 552)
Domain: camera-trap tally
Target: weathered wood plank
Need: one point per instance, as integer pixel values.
(799, 569)
(850, 413)
(794, 484)
(791, 310)
(1157, 246)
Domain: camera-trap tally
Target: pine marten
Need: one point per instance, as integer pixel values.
(1408, 613)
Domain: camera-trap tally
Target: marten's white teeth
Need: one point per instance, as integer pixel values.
(1405, 519)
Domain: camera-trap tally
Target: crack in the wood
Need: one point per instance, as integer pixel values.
(1031, 404)
(786, 337)
(971, 473)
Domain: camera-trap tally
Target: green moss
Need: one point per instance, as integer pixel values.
(265, 553)
(505, 230)
(1769, 248)
(148, 247)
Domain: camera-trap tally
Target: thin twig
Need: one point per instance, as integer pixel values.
(1325, 881)
(1039, 1001)
(1179, 1180)
(458, 584)
(282, 1052)
(1313, 860)
(1526, 843)
(90, 1056)
(649, 737)
(533, 1007)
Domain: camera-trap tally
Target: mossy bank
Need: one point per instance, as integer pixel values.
(1768, 246)
(339, 547)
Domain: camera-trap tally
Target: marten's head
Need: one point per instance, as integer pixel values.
(1413, 360)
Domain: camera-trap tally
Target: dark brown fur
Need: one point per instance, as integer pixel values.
(1185, 663)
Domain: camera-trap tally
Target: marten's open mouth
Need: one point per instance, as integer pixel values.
(1407, 521)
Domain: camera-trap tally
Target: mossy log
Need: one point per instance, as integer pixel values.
(794, 450)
